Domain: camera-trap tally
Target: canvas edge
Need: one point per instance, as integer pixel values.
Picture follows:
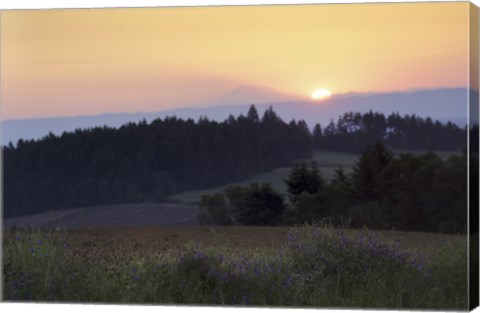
(472, 160)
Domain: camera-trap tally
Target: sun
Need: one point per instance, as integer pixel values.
(320, 94)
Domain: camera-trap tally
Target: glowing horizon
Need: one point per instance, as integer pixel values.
(92, 61)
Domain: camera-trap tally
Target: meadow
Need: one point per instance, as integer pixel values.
(307, 266)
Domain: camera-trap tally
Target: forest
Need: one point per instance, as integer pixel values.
(406, 192)
(149, 161)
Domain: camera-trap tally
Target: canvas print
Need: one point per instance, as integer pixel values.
(306, 156)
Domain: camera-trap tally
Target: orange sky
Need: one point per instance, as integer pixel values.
(90, 61)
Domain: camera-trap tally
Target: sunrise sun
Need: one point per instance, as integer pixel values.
(320, 94)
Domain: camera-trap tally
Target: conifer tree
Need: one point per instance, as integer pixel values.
(252, 114)
(369, 177)
(303, 179)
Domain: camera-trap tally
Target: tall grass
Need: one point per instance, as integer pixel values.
(319, 266)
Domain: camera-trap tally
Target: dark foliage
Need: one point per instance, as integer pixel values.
(353, 131)
(148, 162)
(241, 205)
(371, 174)
(214, 210)
(303, 179)
(406, 192)
(255, 205)
(141, 161)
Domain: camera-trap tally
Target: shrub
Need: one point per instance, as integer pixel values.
(369, 214)
(214, 210)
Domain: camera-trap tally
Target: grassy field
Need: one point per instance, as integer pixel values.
(154, 240)
(171, 239)
(327, 162)
(274, 266)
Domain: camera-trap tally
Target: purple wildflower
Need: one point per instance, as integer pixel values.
(245, 298)
(288, 281)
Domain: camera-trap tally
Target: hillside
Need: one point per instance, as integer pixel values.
(107, 216)
(327, 162)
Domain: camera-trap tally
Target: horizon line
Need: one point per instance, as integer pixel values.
(305, 100)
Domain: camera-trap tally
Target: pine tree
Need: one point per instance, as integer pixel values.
(340, 177)
(303, 179)
(252, 114)
(317, 136)
(369, 177)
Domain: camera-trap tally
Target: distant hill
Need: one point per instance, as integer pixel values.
(439, 104)
(254, 94)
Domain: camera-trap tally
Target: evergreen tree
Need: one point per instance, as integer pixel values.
(252, 114)
(317, 136)
(370, 175)
(446, 207)
(303, 179)
(340, 177)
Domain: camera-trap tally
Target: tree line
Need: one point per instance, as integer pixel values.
(404, 192)
(353, 131)
(150, 161)
(145, 162)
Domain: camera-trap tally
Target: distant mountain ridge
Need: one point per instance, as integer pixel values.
(448, 104)
(254, 94)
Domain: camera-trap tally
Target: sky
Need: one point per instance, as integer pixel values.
(92, 61)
